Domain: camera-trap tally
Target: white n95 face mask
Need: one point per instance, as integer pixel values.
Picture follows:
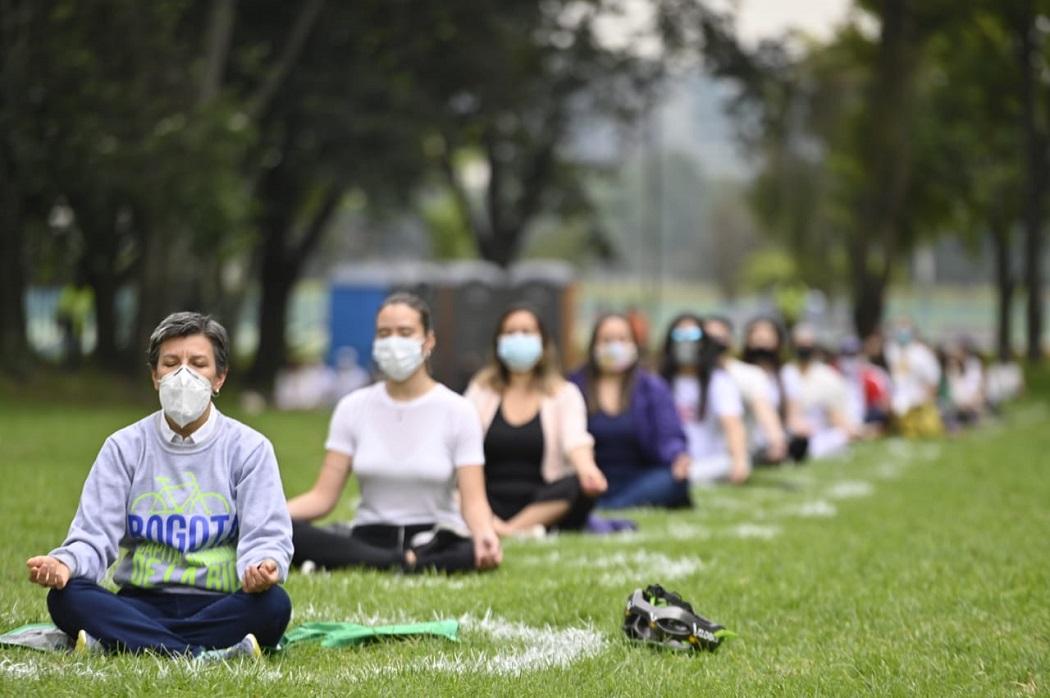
(184, 395)
(398, 357)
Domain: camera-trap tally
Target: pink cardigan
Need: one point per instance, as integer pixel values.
(563, 418)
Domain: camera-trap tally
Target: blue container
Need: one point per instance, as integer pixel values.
(354, 297)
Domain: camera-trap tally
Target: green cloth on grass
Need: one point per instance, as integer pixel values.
(333, 634)
(38, 636)
(47, 638)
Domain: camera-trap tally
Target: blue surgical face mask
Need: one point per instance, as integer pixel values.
(688, 333)
(519, 352)
(903, 336)
(685, 344)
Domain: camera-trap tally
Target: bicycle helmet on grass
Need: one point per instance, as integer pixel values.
(663, 618)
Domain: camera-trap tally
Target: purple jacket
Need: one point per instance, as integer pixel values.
(654, 415)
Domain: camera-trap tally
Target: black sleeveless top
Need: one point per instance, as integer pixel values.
(513, 462)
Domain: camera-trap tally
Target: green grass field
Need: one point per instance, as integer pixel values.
(903, 569)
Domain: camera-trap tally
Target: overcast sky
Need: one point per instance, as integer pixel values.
(758, 19)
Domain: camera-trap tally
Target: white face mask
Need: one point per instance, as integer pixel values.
(520, 352)
(184, 395)
(616, 356)
(398, 357)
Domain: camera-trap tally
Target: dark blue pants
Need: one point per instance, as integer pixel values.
(171, 623)
(654, 487)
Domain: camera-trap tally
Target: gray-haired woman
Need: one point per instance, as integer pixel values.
(196, 499)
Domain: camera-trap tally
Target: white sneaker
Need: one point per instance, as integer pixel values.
(248, 647)
(86, 644)
(534, 532)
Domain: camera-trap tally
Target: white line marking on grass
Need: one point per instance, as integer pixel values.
(544, 648)
(850, 489)
(620, 567)
(758, 531)
(519, 649)
(36, 669)
(817, 509)
(889, 470)
(687, 531)
(18, 670)
(434, 581)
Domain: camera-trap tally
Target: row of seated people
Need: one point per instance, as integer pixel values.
(196, 499)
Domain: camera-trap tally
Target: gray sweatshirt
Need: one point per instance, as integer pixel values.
(192, 517)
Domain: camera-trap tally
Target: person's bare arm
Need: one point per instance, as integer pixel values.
(796, 422)
(592, 480)
(736, 440)
(837, 418)
(320, 499)
(470, 480)
(769, 423)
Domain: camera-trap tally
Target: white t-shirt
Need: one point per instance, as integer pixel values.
(820, 390)
(750, 379)
(965, 386)
(405, 454)
(706, 438)
(916, 375)
(787, 388)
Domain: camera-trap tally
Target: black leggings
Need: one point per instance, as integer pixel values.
(509, 498)
(381, 546)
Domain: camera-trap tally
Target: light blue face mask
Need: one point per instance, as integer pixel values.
(519, 352)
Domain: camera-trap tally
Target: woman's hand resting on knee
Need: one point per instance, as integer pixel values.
(47, 571)
(487, 551)
(259, 578)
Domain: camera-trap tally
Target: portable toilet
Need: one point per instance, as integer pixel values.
(355, 294)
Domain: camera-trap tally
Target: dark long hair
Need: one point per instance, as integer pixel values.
(591, 371)
(777, 361)
(705, 364)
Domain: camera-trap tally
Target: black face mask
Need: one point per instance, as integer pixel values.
(760, 355)
(711, 350)
(805, 353)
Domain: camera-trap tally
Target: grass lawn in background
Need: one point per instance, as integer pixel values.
(901, 569)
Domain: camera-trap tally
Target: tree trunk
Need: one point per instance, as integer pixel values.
(104, 286)
(869, 293)
(1035, 184)
(15, 40)
(1004, 280)
(216, 48)
(14, 346)
(283, 257)
(152, 287)
(272, 352)
(888, 157)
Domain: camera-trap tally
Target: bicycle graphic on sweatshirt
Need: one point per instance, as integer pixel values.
(193, 500)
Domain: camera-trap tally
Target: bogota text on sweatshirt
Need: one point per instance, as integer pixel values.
(192, 517)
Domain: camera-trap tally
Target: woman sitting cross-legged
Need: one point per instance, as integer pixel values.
(539, 458)
(413, 443)
(639, 443)
(196, 499)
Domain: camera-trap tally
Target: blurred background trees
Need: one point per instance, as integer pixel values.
(916, 121)
(194, 153)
